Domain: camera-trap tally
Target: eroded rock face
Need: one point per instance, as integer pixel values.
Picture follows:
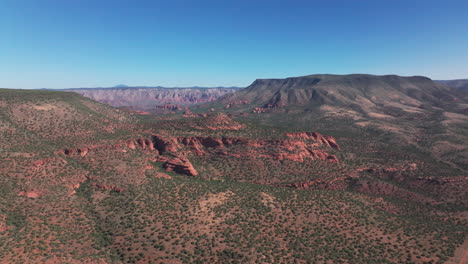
(164, 144)
(297, 149)
(133, 144)
(180, 165)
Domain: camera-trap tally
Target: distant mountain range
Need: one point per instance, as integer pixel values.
(123, 86)
(461, 84)
(147, 98)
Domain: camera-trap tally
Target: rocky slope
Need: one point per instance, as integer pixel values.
(361, 93)
(149, 98)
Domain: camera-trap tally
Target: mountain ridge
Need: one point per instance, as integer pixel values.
(341, 90)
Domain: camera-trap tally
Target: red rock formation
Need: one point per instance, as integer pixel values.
(259, 110)
(180, 165)
(333, 159)
(73, 187)
(296, 150)
(30, 194)
(131, 144)
(222, 122)
(142, 112)
(193, 143)
(141, 142)
(298, 147)
(164, 144)
(83, 152)
(327, 140)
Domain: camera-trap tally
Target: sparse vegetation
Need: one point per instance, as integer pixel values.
(392, 198)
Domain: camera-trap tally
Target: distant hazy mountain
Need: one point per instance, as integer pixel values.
(121, 86)
(461, 84)
(146, 98)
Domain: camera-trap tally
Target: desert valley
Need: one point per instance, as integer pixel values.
(233, 132)
(313, 169)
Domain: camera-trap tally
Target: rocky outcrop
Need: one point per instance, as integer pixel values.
(259, 110)
(327, 140)
(164, 144)
(223, 122)
(298, 149)
(142, 143)
(178, 164)
(30, 194)
(173, 151)
(200, 145)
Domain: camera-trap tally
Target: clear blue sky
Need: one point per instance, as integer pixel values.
(78, 43)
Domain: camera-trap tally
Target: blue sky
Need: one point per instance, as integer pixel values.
(78, 43)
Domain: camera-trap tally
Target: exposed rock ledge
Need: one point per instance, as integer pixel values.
(173, 151)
